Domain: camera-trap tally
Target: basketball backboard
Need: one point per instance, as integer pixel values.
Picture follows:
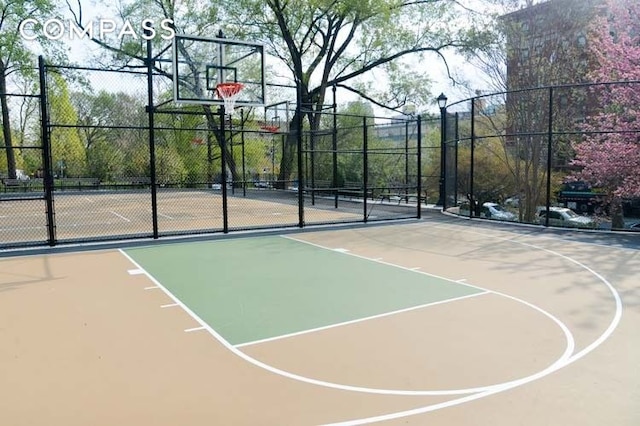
(278, 115)
(200, 64)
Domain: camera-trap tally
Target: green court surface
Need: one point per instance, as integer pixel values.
(256, 288)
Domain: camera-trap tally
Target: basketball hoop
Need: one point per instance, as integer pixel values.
(229, 93)
(270, 128)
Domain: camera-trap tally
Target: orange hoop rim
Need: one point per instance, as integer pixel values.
(228, 89)
(270, 128)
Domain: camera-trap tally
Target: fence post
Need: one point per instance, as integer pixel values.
(455, 168)
(472, 198)
(152, 136)
(365, 167)
(549, 157)
(222, 139)
(334, 147)
(242, 141)
(46, 154)
(419, 168)
(406, 164)
(301, 180)
(442, 104)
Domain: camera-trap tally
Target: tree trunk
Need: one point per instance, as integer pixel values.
(617, 217)
(6, 126)
(213, 126)
(287, 161)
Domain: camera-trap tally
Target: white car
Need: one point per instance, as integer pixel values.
(497, 212)
(562, 216)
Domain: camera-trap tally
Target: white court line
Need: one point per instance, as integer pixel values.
(169, 305)
(340, 324)
(601, 339)
(376, 260)
(189, 330)
(135, 271)
(89, 199)
(153, 287)
(461, 280)
(119, 215)
(570, 345)
(165, 215)
(417, 268)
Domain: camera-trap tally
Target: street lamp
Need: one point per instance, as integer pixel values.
(442, 104)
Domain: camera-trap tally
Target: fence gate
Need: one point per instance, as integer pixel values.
(26, 212)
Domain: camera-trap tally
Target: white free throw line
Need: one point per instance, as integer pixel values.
(151, 288)
(135, 271)
(355, 321)
(169, 305)
(189, 330)
(119, 215)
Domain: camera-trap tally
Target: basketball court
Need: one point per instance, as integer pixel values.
(436, 321)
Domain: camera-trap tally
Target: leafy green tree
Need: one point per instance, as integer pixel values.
(18, 58)
(169, 165)
(68, 151)
(102, 121)
(324, 43)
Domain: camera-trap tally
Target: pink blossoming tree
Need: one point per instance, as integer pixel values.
(609, 153)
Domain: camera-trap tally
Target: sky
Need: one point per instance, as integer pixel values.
(82, 51)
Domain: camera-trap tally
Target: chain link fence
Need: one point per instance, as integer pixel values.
(513, 156)
(93, 162)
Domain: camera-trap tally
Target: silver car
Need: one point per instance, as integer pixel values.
(497, 212)
(562, 216)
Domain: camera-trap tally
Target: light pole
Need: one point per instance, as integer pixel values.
(442, 104)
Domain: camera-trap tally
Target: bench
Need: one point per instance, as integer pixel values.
(136, 180)
(130, 182)
(354, 189)
(400, 194)
(24, 185)
(78, 183)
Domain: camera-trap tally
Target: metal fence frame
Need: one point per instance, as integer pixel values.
(395, 202)
(561, 110)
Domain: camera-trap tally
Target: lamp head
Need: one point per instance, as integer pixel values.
(442, 100)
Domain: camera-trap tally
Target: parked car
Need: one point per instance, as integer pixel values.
(512, 201)
(261, 184)
(562, 216)
(497, 212)
(635, 226)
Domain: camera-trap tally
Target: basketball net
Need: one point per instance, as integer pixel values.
(229, 92)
